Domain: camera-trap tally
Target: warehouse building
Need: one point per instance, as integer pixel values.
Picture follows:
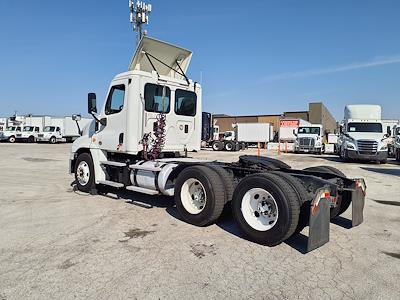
(317, 113)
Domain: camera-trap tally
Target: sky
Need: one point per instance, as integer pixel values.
(260, 57)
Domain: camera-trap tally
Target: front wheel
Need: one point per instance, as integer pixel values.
(53, 140)
(229, 146)
(84, 173)
(11, 139)
(266, 208)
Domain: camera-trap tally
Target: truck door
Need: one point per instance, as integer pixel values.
(111, 137)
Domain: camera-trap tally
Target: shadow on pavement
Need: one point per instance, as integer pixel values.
(394, 172)
(298, 242)
(342, 222)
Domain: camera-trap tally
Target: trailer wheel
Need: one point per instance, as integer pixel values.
(344, 200)
(84, 173)
(217, 146)
(53, 140)
(11, 139)
(303, 197)
(266, 208)
(199, 195)
(229, 146)
(242, 146)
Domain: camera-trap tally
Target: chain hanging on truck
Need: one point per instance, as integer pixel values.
(152, 146)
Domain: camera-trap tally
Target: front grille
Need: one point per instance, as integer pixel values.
(19, 135)
(309, 142)
(40, 135)
(367, 147)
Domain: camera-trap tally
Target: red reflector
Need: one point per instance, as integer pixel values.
(327, 195)
(334, 199)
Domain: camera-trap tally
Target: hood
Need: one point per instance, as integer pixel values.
(366, 135)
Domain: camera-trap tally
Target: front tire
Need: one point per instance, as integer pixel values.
(11, 139)
(229, 146)
(266, 208)
(84, 173)
(217, 146)
(53, 140)
(199, 195)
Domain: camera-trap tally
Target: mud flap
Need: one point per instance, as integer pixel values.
(358, 201)
(319, 220)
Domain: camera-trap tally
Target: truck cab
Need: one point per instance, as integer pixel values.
(361, 134)
(396, 144)
(50, 134)
(10, 133)
(29, 134)
(309, 139)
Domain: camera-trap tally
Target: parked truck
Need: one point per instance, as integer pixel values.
(396, 144)
(65, 129)
(361, 134)
(309, 139)
(152, 114)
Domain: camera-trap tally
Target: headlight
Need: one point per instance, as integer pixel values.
(384, 147)
(350, 146)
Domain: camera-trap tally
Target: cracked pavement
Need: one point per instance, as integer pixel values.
(58, 243)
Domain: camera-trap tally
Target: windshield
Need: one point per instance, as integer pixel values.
(397, 132)
(29, 128)
(228, 134)
(10, 128)
(364, 127)
(49, 129)
(309, 130)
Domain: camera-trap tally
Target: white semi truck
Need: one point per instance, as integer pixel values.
(396, 144)
(64, 129)
(309, 139)
(361, 134)
(152, 114)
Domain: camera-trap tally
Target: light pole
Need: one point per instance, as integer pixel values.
(139, 16)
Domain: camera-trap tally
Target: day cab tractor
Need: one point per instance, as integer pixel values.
(152, 115)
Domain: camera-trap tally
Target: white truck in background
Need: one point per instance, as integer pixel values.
(309, 139)
(3, 124)
(14, 126)
(30, 131)
(396, 144)
(65, 129)
(243, 135)
(361, 134)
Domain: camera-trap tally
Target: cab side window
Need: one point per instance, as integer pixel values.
(36, 129)
(115, 100)
(185, 103)
(157, 98)
(58, 129)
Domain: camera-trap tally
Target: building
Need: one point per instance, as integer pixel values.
(317, 113)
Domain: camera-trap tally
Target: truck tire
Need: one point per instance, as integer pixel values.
(11, 139)
(383, 161)
(229, 146)
(344, 200)
(217, 146)
(84, 173)
(199, 195)
(398, 155)
(227, 179)
(304, 199)
(266, 208)
(242, 146)
(31, 139)
(344, 155)
(53, 140)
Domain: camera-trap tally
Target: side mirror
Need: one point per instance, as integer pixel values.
(341, 129)
(76, 117)
(294, 132)
(388, 131)
(92, 103)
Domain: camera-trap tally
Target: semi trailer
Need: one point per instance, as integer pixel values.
(152, 117)
(362, 134)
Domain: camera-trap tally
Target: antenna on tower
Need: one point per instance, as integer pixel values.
(139, 16)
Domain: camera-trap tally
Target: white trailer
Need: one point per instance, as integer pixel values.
(288, 127)
(14, 126)
(362, 135)
(152, 114)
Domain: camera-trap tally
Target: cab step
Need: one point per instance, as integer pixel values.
(141, 190)
(145, 168)
(113, 163)
(111, 183)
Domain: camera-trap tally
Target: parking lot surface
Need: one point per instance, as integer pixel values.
(59, 243)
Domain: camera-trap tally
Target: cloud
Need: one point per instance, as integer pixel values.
(379, 61)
